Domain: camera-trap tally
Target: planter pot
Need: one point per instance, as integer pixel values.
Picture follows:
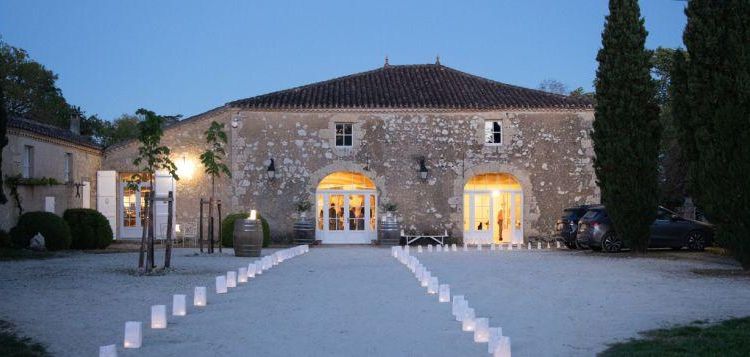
(389, 231)
(304, 231)
(248, 238)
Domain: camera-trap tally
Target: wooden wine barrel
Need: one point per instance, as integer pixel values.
(248, 238)
(389, 232)
(304, 232)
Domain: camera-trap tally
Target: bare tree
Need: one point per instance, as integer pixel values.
(553, 86)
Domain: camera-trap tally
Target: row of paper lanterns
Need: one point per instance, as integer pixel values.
(497, 344)
(479, 247)
(134, 329)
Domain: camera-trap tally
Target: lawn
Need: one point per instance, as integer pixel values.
(12, 345)
(728, 338)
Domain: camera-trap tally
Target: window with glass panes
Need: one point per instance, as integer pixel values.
(343, 134)
(493, 132)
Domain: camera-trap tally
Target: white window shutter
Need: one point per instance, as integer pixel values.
(163, 183)
(86, 195)
(106, 196)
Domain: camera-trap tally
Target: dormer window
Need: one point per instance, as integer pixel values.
(344, 135)
(493, 132)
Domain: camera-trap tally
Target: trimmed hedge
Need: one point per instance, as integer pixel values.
(54, 229)
(89, 228)
(4, 239)
(227, 229)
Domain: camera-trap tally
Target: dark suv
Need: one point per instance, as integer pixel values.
(668, 231)
(567, 226)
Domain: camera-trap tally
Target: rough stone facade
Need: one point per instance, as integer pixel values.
(547, 151)
(49, 161)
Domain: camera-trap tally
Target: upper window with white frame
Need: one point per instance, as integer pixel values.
(493, 132)
(344, 135)
(27, 169)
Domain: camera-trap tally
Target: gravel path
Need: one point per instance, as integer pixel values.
(563, 303)
(357, 301)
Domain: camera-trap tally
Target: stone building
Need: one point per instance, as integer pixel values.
(484, 160)
(37, 151)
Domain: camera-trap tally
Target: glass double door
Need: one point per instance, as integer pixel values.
(133, 209)
(493, 217)
(346, 217)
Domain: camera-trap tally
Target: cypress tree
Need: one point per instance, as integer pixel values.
(626, 126)
(3, 141)
(717, 38)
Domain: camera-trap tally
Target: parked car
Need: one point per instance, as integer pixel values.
(669, 230)
(567, 226)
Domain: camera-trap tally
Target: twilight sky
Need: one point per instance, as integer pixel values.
(186, 57)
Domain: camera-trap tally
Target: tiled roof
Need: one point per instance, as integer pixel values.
(427, 86)
(51, 131)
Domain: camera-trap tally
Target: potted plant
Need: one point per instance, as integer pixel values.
(302, 207)
(304, 229)
(389, 208)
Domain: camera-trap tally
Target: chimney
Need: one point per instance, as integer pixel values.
(75, 123)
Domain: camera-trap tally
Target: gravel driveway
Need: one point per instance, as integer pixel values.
(358, 301)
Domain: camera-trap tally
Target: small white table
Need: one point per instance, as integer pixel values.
(411, 238)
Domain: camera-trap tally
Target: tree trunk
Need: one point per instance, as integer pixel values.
(211, 225)
(144, 232)
(151, 261)
(218, 211)
(168, 244)
(200, 226)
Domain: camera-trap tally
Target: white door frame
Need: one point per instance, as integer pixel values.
(346, 236)
(474, 236)
(137, 230)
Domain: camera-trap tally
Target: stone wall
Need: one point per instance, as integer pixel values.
(186, 141)
(49, 161)
(549, 152)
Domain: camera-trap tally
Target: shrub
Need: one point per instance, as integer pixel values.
(227, 229)
(89, 228)
(54, 229)
(4, 239)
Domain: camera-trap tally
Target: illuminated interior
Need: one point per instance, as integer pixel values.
(493, 209)
(346, 208)
(346, 181)
(492, 182)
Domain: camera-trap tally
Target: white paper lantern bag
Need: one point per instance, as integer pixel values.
(199, 296)
(133, 334)
(469, 320)
(108, 351)
(242, 275)
(503, 347)
(231, 279)
(221, 284)
(444, 293)
(158, 316)
(495, 334)
(179, 307)
(481, 330)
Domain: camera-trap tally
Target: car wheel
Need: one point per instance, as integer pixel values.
(695, 241)
(611, 244)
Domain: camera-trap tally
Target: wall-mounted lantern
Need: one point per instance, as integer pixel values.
(423, 169)
(271, 171)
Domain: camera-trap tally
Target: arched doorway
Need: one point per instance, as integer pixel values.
(493, 209)
(346, 209)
